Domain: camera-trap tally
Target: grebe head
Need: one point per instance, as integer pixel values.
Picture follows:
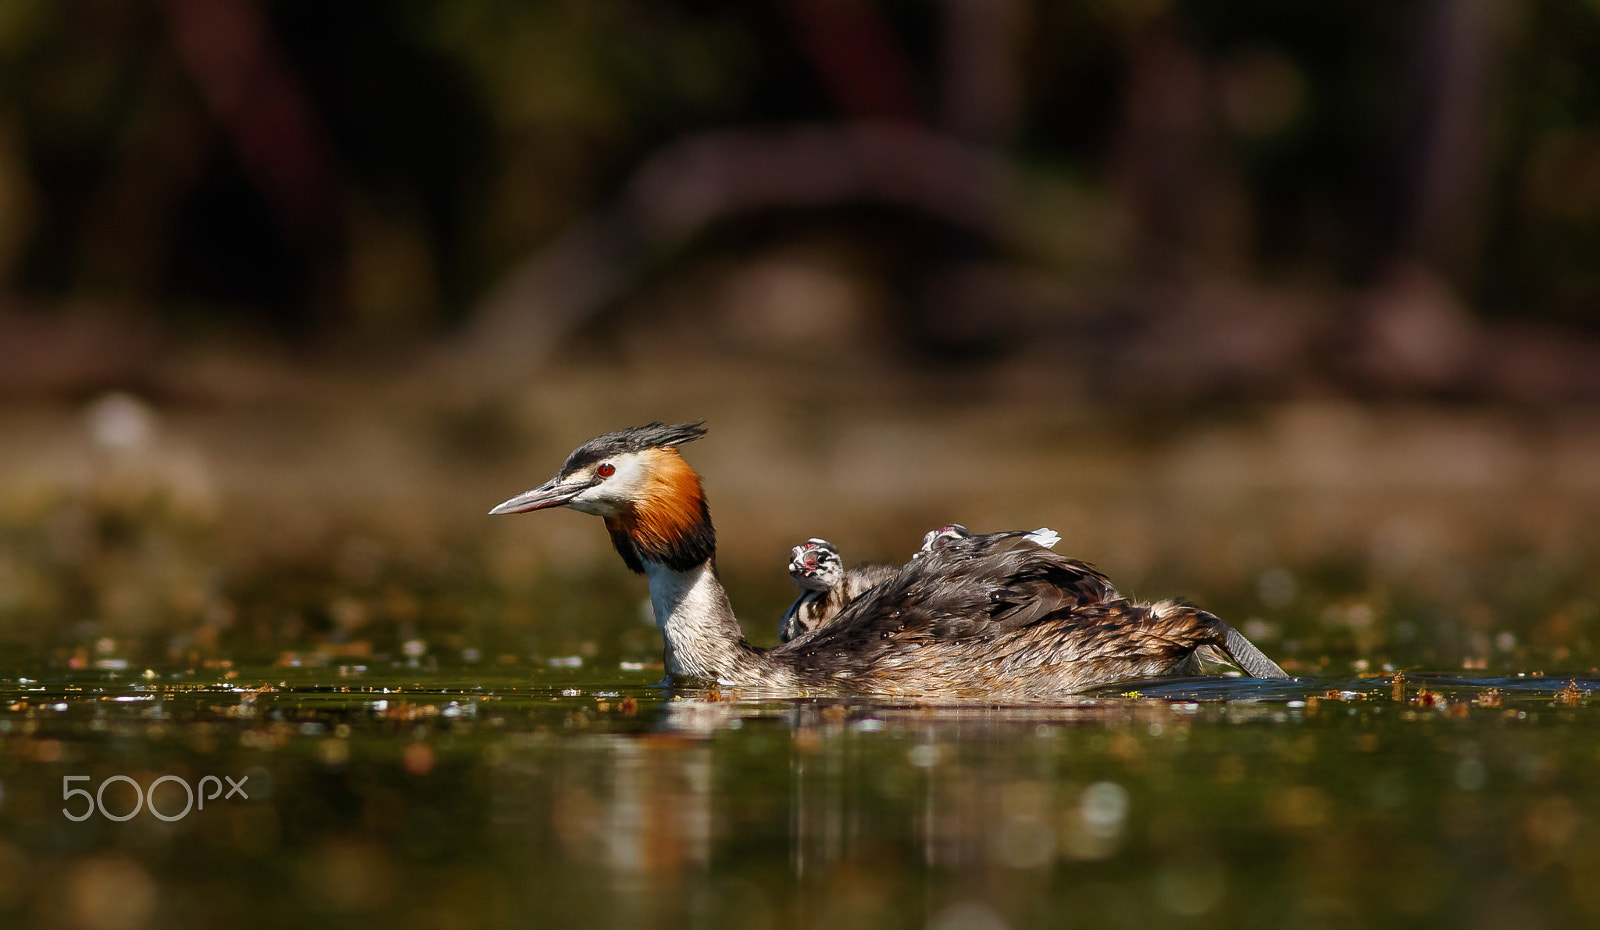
(650, 498)
(815, 565)
(941, 537)
(611, 474)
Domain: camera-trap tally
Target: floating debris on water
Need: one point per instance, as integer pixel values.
(1430, 698)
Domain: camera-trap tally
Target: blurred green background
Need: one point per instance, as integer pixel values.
(1283, 308)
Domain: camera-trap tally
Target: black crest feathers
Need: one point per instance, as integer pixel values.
(653, 435)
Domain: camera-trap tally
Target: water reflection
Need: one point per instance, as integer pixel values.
(1367, 801)
(1133, 809)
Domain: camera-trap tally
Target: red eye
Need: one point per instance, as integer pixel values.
(605, 469)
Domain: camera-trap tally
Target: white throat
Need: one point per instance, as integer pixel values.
(696, 620)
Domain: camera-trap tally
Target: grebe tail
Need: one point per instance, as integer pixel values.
(1251, 660)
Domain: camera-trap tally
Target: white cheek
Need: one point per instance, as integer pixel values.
(612, 495)
(589, 503)
(602, 500)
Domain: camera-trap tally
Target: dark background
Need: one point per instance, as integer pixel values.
(1399, 195)
(1286, 308)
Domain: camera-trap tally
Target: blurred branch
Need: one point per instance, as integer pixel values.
(711, 177)
(1438, 156)
(876, 157)
(1159, 156)
(858, 57)
(77, 355)
(982, 83)
(255, 96)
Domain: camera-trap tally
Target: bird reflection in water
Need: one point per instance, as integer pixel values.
(875, 795)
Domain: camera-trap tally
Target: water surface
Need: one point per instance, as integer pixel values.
(513, 795)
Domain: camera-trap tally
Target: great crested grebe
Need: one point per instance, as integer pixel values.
(826, 586)
(980, 616)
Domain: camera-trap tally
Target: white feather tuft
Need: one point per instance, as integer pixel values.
(1044, 536)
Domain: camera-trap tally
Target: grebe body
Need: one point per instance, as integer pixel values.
(977, 616)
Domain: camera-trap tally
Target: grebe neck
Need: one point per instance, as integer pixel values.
(703, 638)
